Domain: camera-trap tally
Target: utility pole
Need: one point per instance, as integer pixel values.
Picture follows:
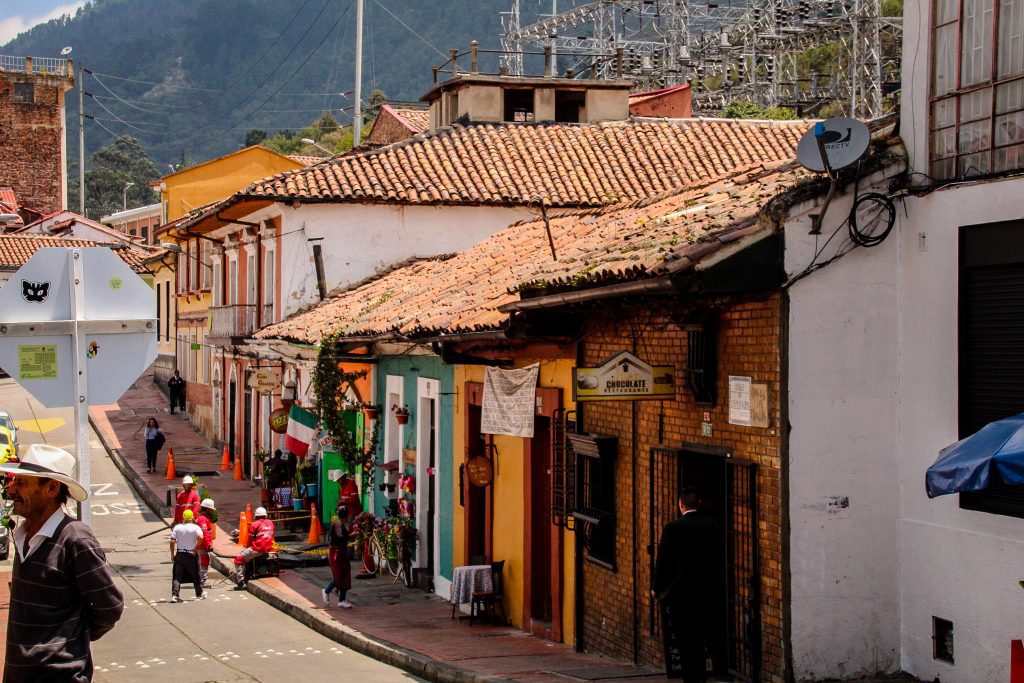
(357, 122)
(81, 142)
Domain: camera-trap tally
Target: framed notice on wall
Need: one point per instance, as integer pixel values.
(748, 402)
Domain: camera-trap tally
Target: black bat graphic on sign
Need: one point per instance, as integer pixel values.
(35, 292)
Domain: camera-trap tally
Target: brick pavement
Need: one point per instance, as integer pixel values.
(406, 627)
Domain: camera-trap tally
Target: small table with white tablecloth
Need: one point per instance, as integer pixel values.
(474, 578)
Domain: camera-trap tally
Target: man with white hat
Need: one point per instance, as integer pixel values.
(261, 542)
(62, 592)
(186, 500)
(185, 541)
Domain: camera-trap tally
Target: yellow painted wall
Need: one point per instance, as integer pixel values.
(165, 277)
(220, 178)
(509, 516)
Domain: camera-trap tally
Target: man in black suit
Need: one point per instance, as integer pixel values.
(176, 390)
(684, 582)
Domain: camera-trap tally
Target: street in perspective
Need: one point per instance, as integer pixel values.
(528, 340)
(230, 636)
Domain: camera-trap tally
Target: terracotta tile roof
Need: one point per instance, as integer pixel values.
(8, 200)
(629, 241)
(305, 160)
(15, 250)
(569, 165)
(418, 120)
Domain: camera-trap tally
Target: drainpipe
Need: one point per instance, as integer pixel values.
(578, 605)
(632, 502)
(321, 279)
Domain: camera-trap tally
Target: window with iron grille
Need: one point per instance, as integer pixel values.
(594, 513)
(977, 87)
(24, 93)
(991, 345)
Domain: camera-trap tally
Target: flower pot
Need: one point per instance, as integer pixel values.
(296, 504)
(401, 418)
(371, 412)
(311, 490)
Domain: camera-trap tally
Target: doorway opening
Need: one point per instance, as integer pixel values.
(728, 492)
(476, 500)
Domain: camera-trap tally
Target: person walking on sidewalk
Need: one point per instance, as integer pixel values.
(186, 539)
(337, 555)
(186, 500)
(205, 521)
(261, 542)
(176, 391)
(63, 595)
(154, 442)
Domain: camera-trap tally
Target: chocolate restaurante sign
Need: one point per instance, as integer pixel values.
(623, 377)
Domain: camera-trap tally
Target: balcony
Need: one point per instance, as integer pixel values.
(53, 66)
(238, 320)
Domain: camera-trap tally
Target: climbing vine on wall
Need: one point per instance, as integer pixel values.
(332, 384)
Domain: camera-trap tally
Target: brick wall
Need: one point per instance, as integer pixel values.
(387, 129)
(31, 161)
(748, 345)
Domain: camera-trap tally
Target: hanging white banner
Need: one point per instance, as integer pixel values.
(508, 402)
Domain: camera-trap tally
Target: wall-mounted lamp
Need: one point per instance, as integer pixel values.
(288, 394)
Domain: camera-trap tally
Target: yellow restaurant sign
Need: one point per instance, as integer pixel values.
(623, 377)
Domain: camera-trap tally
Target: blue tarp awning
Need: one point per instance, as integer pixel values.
(967, 464)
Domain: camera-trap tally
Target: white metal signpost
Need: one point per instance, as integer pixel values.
(77, 327)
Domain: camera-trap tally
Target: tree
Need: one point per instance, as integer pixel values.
(255, 136)
(111, 169)
(741, 109)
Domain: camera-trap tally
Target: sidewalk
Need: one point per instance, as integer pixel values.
(404, 627)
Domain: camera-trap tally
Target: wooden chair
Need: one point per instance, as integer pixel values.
(485, 602)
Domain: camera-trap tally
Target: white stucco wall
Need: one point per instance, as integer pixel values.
(957, 564)
(360, 240)
(844, 488)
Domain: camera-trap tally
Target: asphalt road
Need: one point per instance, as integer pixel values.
(230, 636)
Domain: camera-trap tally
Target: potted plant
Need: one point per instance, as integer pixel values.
(401, 413)
(371, 411)
(263, 458)
(401, 537)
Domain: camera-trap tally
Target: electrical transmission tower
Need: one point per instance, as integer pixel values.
(794, 53)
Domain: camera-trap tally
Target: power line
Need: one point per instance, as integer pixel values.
(151, 104)
(287, 80)
(410, 29)
(266, 80)
(116, 117)
(271, 46)
(135, 80)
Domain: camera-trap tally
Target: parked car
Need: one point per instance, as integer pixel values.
(7, 421)
(7, 451)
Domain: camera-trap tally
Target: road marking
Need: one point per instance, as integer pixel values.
(117, 509)
(101, 490)
(40, 426)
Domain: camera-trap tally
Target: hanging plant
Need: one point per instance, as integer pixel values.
(332, 383)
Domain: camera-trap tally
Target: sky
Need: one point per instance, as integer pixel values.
(17, 16)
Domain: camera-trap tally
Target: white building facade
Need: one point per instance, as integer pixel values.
(902, 349)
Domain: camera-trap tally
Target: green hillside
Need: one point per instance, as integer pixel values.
(188, 78)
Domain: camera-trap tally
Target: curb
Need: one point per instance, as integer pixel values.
(375, 648)
(138, 483)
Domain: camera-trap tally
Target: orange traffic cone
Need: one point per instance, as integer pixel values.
(171, 474)
(239, 476)
(225, 461)
(243, 530)
(248, 513)
(315, 530)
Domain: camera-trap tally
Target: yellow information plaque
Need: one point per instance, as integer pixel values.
(37, 362)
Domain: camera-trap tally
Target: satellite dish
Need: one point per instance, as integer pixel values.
(66, 51)
(841, 140)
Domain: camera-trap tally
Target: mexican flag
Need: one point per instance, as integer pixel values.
(301, 431)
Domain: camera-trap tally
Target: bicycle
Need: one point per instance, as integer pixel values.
(381, 558)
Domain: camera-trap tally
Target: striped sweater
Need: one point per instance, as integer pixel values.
(62, 597)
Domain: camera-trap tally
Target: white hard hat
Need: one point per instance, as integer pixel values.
(187, 480)
(259, 512)
(207, 503)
